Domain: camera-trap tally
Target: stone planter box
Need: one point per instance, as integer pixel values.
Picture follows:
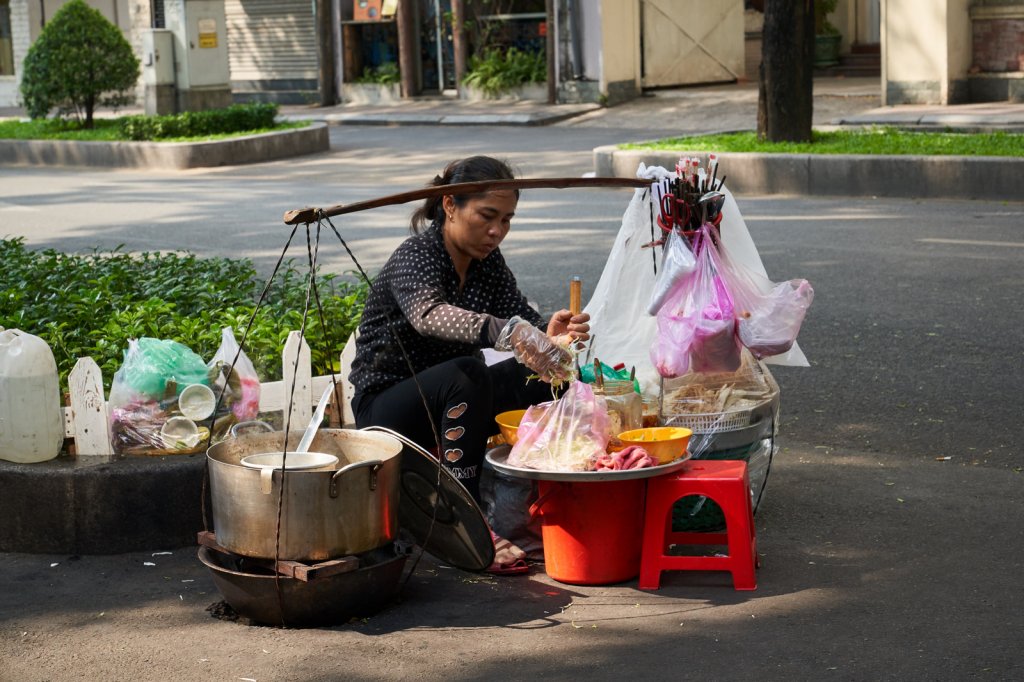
(532, 92)
(941, 177)
(169, 155)
(370, 93)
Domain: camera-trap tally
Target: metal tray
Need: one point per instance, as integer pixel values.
(498, 458)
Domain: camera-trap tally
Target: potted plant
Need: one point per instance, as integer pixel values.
(826, 35)
(509, 74)
(381, 84)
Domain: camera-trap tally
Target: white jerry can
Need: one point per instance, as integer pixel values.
(31, 425)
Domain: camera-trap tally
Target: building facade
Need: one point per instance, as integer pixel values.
(932, 51)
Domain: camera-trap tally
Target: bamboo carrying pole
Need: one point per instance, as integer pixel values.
(310, 215)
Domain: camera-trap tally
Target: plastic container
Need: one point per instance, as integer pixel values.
(663, 443)
(197, 402)
(31, 424)
(592, 531)
(625, 406)
(508, 425)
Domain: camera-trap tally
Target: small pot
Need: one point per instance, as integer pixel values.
(325, 513)
(269, 462)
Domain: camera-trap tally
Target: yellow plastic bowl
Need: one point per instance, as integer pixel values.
(663, 443)
(508, 424)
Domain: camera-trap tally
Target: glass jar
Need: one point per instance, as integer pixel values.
(625, 406)
(651, 411)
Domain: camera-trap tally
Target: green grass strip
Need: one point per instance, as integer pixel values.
(107, 130)
(888, 141)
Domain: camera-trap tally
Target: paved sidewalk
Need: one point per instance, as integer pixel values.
(837, 101)
(707, 108)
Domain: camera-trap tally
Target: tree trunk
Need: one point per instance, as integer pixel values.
(459, 38)
(325, 53)
(408, 47)
(785, 102)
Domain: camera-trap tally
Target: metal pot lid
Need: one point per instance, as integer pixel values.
(458, 534)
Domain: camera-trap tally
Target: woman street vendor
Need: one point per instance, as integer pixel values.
(443, 295)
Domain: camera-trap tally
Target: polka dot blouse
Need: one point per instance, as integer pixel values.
(416, 296)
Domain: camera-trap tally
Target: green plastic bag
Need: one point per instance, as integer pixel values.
(149, 364)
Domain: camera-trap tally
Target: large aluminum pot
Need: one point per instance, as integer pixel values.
(325, 514)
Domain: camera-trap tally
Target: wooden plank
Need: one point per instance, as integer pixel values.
(301, 397)
(291, 569)
(88, 409)
(327, 568)
(348, 354)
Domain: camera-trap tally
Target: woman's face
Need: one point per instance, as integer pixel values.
(476, 228)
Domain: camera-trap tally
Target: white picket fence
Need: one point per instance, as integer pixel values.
(87, 419)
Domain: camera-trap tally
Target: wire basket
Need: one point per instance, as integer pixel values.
(711, 422)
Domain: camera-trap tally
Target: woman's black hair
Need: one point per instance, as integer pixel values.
(470, 169)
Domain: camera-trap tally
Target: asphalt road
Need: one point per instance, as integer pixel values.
(879, 560)
(913, 337)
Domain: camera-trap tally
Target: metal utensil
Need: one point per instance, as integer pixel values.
(314, 423)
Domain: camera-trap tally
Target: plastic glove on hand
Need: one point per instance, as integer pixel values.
(535, 349)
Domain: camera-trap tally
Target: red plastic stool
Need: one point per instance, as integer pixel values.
(725, 482)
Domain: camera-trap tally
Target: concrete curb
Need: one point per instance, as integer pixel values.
(65, 506)
(539, 117)
(944, 177)
(167, 155)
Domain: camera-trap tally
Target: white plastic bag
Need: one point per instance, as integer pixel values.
(241, 390)
(620, 327)
(677, 262)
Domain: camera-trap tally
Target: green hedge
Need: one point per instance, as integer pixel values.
(234, 119)
(92, 304)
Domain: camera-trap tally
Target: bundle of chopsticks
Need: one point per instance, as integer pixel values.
(690, 199)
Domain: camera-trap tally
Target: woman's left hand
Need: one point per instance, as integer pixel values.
(566, 328)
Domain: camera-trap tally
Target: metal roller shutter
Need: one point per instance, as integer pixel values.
(271, 40)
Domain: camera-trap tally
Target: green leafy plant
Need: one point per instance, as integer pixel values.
(92, 304)
(235, 118)
(385, 74)
(822, 26)
(496, 72)
(882, 140)
(79, 62)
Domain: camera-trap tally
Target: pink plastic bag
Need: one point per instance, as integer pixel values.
(697, 323)
(769, 315)
(568, 434)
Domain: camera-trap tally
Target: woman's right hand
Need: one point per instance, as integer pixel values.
(538, 351)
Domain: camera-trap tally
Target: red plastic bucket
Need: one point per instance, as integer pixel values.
(592, 531)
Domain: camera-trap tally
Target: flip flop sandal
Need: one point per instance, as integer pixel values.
(508, 558)
(517, 567)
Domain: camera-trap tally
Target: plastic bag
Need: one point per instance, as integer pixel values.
(149, 364)
(620, 327)
(697, 325)
(241, 389)
(769, 315)
(144, 414)
(677, 262)
(568, 434)
(535, 349)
